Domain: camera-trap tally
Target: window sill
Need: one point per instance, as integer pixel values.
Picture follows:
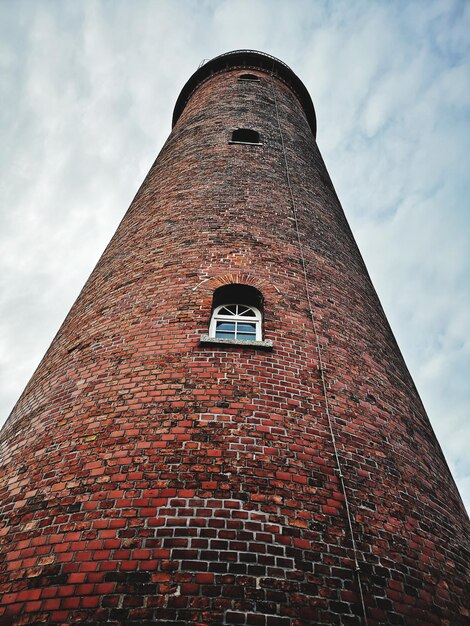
(267, 344)
(245, 143)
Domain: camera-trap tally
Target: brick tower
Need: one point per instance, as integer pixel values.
(223, 430)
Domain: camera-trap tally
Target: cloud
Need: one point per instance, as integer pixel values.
(87, 94)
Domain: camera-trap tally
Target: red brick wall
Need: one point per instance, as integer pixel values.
(150, 479)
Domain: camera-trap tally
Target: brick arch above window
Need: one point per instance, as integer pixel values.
(210, 286)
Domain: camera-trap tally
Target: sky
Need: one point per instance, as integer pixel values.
(87, 91)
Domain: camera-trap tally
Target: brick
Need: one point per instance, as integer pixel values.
(150, 476)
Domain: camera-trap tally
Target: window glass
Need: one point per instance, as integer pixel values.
(245, 135)
(225, 330)
(236, 321)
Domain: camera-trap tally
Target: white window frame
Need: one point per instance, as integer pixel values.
(219, 316)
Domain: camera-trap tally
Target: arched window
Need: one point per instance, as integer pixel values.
(237, 318)
(247, 77)
(237, 314)
(236, 321)
(245, 135)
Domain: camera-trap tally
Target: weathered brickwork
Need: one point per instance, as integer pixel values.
(149, 479)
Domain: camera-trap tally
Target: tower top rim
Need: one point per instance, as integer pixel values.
(252, 59)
